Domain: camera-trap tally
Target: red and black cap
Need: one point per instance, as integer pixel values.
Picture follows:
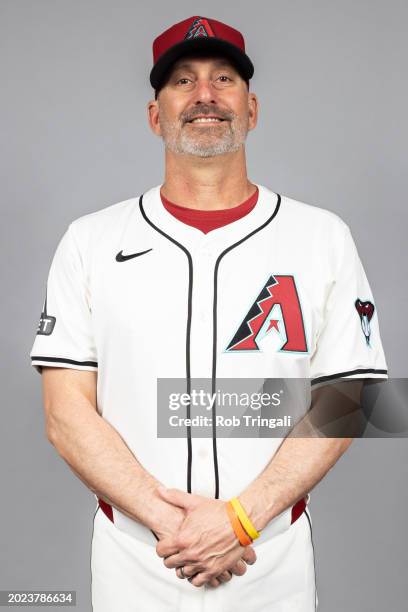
(198, 35)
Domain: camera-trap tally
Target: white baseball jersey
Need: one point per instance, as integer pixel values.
(137, 295)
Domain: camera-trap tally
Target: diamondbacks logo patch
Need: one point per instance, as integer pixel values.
(276, 310)
(366, 312)
(47, 322)
(199, 28)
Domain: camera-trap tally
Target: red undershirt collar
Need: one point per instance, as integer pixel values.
(207, 220)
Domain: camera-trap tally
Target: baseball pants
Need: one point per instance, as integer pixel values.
(128, 576)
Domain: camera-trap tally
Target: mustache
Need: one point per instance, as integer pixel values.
(207, 110)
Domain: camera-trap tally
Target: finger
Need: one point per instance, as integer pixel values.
(200, 579)
(224, 576)
(178, 498)
(214, 582)
(249, 555)
(239, 568)
(178, 560)
(166, 547)
(188, 571)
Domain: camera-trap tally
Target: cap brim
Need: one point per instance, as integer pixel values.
(200, 46)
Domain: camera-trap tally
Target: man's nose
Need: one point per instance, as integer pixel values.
(205, 92)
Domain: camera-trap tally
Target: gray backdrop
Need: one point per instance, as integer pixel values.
(331, 79)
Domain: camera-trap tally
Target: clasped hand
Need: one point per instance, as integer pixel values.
(205, 545)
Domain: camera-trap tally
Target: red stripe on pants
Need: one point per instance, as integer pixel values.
(297, 509)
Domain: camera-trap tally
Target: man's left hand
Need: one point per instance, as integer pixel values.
(206, 544)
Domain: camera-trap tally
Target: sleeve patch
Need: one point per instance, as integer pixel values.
(46, 325)
(365, 311)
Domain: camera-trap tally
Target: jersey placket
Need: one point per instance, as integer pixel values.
(201, 353)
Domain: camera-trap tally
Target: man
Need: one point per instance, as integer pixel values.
(205, 276)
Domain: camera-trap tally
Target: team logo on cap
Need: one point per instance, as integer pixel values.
(274, 319)
(200, 28)
(365, 311)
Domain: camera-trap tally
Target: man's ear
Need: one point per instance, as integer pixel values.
(153, 116)
(253, 105)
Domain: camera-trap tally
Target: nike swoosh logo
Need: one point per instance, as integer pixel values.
(121, 257)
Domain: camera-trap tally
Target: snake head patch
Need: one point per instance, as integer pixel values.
(366, 312)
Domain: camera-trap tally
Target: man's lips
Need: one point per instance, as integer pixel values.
(207, 119)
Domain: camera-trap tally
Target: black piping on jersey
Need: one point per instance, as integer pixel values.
(64, 360)
(349, 373)
(314, 564)
(214, 360)
(188, 331)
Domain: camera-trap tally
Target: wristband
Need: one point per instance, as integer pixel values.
(243, 538)
(244, 518)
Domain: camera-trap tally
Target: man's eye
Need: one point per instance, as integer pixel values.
(224, 76)
(182, 79)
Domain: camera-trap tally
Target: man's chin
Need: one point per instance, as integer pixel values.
(207, 145)
(199, 148)
(206, 153)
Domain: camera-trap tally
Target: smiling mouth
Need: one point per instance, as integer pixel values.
(207, 120)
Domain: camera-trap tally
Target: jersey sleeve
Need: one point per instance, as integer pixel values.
(348, 343)
(65, 336)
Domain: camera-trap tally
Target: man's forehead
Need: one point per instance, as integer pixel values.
(191, 61)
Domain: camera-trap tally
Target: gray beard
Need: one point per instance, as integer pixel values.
(179, 142)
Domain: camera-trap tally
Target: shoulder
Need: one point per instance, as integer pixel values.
(312, 215)
(104, 218)
(321, 236)
(309, 222)
(100, 226)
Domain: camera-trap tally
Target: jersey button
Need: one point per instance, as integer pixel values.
(203, 316)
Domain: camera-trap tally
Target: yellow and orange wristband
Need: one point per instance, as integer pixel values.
(241, 523)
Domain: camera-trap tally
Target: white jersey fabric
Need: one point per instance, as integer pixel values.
(189, 305)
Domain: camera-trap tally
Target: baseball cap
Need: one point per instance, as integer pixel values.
(198, 35)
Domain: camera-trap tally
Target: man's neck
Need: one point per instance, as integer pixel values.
(207, 183)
